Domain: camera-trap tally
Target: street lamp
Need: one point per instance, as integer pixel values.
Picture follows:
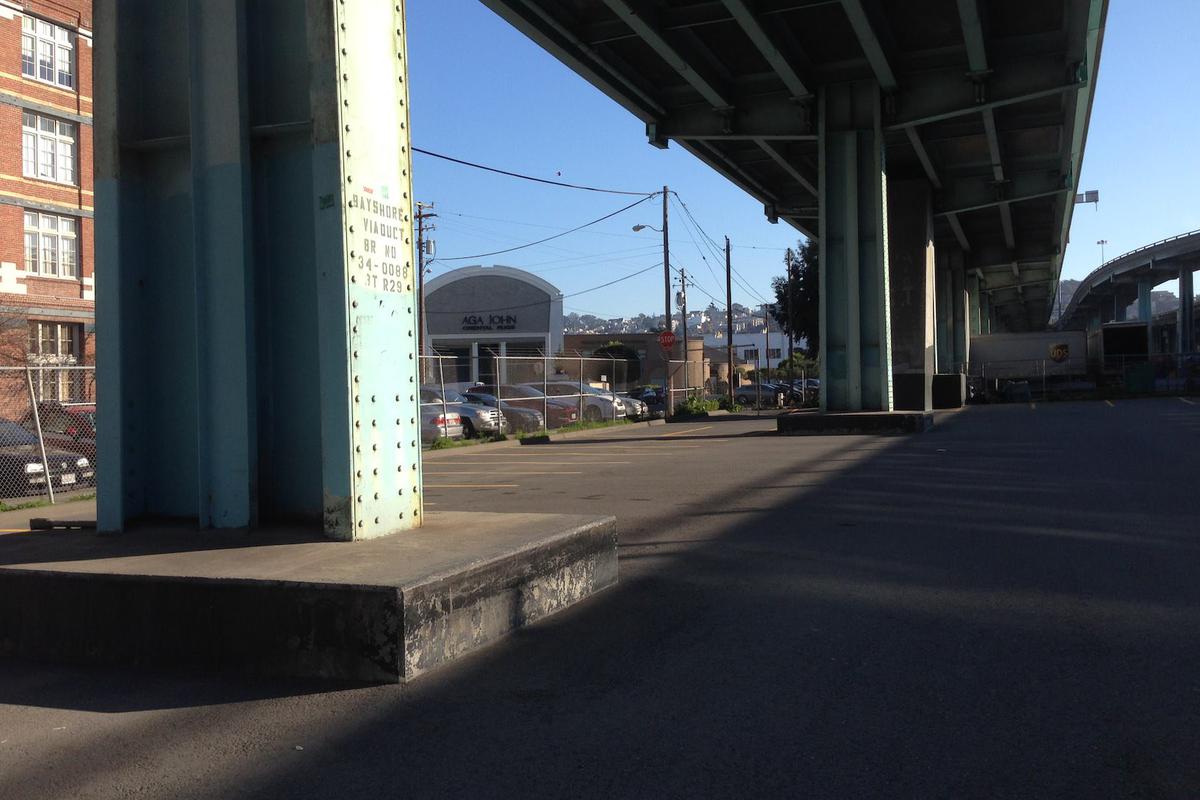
(1102, 242)
(639, 228)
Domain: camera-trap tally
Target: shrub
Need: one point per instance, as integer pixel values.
(696, 405)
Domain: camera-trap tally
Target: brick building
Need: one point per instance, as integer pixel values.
(47, 299)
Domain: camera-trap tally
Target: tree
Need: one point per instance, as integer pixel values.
(802, 304)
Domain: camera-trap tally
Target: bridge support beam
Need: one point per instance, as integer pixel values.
(1186, 323)
(256, 330)
(944, 322)
(911, 265)
(960, 303)
(856, 358)
(974, 304)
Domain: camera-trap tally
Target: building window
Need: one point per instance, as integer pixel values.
(56, 344)
(750, 354)
(47, 148)
(775, 352)
(47, 52)
(51, 245)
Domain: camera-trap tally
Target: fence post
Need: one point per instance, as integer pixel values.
(545, 392)
(37, 423)
(441, 383)
(612, 385)
(496, 369)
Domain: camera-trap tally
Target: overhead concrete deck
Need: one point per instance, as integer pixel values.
(292, 603)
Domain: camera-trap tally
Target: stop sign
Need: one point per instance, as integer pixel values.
(666, 339)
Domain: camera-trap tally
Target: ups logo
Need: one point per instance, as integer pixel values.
(1060, 352)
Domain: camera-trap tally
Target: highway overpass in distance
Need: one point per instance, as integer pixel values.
(1105, 294)
(932, 146)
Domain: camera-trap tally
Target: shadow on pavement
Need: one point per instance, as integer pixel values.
(1008, 606)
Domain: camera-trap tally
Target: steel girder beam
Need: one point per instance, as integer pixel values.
(788, 167)
(557, 38)
(973, 194)
(639, 19)
(872, 47)
(773, 117)
(753, 27)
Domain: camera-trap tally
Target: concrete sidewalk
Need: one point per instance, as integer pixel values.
(66, 509)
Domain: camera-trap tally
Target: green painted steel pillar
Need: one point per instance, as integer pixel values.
(960, 303)
(856, 359)
(1144, 301)
(256, 301)
(985, 311)
(974, 303)
(911, 278)
(1186, 319)
(945, 317)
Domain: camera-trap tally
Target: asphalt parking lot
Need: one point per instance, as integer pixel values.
(1007, 606)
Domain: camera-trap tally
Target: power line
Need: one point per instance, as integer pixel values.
(656, 265)
(528, 177)
(741, 281)
(550, 238)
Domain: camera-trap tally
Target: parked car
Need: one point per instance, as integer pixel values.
(558, 411)
(478, 419)
(597, 403)
(748, 394)
(23, 472)
(518, 419)
(652, 398)
(66, 427)
(634, 408)
(438, 425)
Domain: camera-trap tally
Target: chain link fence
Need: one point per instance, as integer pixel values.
(1078, 378)
(47, 432)
(491, 394)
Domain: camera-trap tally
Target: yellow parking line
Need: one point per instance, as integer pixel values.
(1109, 403)
(472, 485)
(1189, 402)
(689, 430)
(504, 472)
(528, 463)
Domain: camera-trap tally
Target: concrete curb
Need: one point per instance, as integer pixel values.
(548, 438)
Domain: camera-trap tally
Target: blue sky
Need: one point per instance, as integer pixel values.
(483, 92)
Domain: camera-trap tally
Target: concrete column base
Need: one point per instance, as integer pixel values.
(950, 391)
(287, 603)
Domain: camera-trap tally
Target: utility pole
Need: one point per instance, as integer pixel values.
(422, 215)
(729, 318)
(668, 315)
(687, 380)
(791, 315)
(767, 343)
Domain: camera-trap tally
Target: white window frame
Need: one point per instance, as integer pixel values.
(58, 44)
(65, 341)
(51, 233)
(49, 148)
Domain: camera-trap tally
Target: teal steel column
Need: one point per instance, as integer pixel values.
(1186, 319)
(1144, 301)
(973, 303)
(256, 301)
(985, 311)
(959, 306)
(945, 317)
(224, 288)
(855, 337)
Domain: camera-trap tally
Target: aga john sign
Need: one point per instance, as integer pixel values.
(489, 322)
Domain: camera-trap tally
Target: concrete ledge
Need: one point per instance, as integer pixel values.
(868, 422)
(283, 603)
